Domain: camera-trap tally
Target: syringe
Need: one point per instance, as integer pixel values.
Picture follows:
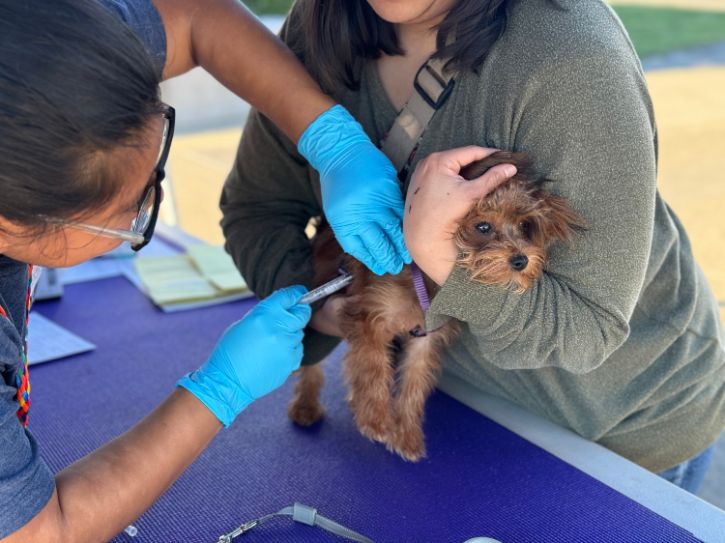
(338, 283)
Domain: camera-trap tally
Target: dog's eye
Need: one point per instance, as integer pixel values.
(484, 227)
(525, 228)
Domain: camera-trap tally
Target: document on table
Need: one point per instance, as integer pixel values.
(216, 266)
(204, 276)
(48, 341)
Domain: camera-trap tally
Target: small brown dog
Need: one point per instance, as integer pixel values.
(392, 363)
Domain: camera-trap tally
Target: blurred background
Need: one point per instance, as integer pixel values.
(682, 47)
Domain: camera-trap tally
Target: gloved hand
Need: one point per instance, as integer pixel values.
(360, 192)
(253, 357)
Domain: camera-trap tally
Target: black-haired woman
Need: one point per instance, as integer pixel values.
(83, 143)
(621, 339)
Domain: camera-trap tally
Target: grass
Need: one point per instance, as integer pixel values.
(653, 30)
(269, 7)
(658, 30)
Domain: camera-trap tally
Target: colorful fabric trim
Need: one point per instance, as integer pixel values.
(22, 378)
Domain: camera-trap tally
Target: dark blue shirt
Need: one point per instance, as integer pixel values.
(145, 21)
(26, 482)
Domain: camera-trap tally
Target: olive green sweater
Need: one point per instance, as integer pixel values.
(620, 340)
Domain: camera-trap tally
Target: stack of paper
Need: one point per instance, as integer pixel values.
(205, 275)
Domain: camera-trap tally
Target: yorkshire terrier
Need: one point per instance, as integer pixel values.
(392, 362)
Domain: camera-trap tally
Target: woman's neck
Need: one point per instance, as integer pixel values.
(417, 40)
(397, 72)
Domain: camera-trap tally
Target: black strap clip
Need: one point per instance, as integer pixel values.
(445, 93)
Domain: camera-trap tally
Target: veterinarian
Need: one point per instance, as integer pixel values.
(83, 142)
(621, 340)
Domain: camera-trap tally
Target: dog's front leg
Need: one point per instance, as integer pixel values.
(419, 370)
(368, 371)
(305, 408)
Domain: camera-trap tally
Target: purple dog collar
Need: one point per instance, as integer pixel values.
(420, 290)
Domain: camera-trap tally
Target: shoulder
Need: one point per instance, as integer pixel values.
(144, 20)
(548, 34)
(297, 35)
(13, 289)
(292, 32)
(573, 51)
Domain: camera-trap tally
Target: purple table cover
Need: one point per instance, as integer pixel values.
(479, 479)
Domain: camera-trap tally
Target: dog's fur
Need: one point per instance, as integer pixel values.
(391, 372)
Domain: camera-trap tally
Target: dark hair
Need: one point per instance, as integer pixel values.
(343, 33)
(75, 84)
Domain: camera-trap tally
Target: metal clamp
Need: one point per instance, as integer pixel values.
(299, 513)
(241, 530)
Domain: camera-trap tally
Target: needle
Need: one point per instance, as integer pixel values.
(339, 283)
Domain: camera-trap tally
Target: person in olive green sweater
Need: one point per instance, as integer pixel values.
(621, 339)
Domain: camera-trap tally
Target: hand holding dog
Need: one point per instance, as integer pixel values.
(438, 198)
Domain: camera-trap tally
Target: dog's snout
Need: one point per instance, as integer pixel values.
(518, 262)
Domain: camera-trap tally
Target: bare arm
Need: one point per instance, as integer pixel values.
(224, 38)
(102, 493)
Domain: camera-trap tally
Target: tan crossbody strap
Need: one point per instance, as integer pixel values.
(432, 87)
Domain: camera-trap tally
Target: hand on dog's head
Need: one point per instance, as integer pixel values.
(505, 237)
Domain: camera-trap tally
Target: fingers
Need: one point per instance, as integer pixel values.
(302, 312)
(294, 342)
(355, 246)
(455, 159)
(378, 244)
(298, 353)
(286, 297)
(295, 338)
(482, 186)
(394, 232)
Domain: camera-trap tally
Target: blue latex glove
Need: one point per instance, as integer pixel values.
(360, 192)
(253, 357)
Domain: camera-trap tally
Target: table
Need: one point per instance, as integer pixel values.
(520, 479)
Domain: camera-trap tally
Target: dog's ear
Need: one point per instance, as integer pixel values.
(522, 161)
(556, 220)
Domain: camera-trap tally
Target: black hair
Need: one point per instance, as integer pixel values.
(75, 84)
(342, 34)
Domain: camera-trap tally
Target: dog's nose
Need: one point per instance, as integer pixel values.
(518, 262)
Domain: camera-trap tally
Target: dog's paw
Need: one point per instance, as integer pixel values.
(373, 420)
(305, 413)
(376, 432)
(408, 444)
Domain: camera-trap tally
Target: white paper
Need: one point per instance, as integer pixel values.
(48, 341)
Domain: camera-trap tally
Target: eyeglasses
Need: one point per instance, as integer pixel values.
(143, 225)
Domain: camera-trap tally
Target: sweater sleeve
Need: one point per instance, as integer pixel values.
(266, 204)
(587, 122)
(268, 199)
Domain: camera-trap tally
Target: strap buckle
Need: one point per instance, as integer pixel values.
(446, 87)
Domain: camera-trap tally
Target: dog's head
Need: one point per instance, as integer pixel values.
(504, 239)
